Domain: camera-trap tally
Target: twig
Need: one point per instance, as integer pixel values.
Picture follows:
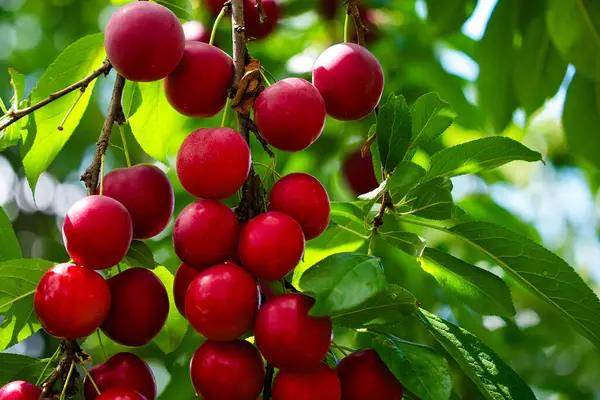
(15, 115)
(261, 11)
(250, 125)
(71, 353)
(267, 389)
(352, 9)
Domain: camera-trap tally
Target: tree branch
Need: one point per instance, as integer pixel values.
(352, 9)
(261, 11)
(15, 115)
(71, 352)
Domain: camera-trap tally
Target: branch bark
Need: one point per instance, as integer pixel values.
(352, 9)
(261, 11)
(71, 352)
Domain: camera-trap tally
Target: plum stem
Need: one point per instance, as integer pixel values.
(264, 78)
(213, 33)
(125, 148)
(50, 361)
(64, 391)
(90, 377)
(64, 120)
(352, 9)
(346, 27)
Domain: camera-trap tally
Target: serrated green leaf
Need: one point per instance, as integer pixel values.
(540, 271)
(430, 200)
(181, 8)
(169, 339)
(389, 308)
(11, 364)
(11, 135)
(343, 282)
(574, 27)
(479, 289)
(406, 176)
(493, 377)
(9, 245)
(420, 369)
(140, 255)
(43, 141)
(430, 118)
(408, 242)
(393, 131)
(479, 155)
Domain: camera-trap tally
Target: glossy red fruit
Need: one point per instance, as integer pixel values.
(139, 307)
(122, 370)
(364, 377)
(213, 6)
(121, 394)
(290, 114)
(78, 289)
(213, 163)
(254, 28)
(198, 86)
(183, 278)
(205, 233)
(144, 41)
(359, 173)
(302, 197)
(20, 390)
(271, 245)
(350, 79)
(195, 31)
(227, 371)
(317, 383)
(287, 336)
(146, 193)
(97, 232)
(221, 302)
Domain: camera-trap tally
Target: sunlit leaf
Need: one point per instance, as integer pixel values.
(169, 339)
(9, 246)
(393, 131)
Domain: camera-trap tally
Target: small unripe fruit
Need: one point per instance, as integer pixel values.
(290, 114)
(195, 31)
(144, 41)
(271, 245)
(198, 86)
(350, 79)
(221, 302)
(254, 28)
(121, 394)
(139, 307)
(317, 383)
(302, 197)
(359, 173)
(183, 278)
(20, 390)
(213, 163)
(81, 291)
(123, 370)
(287, 336)
(364, 377)
(213, 6)
(146, 193)
(97, 232)
(205, 233)
(227, 371)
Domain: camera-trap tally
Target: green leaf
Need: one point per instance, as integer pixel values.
(447, 16)
(169, 339)
(19, 279)
(431, 200)
(11, 135)
(343, 282)
(581, 118)
(406, 176)
(9, 246)
(31, 372)
(541, 272)
(420, 369)
(343, 213)
(574, 26)
(479, 289)
(494, 378)
(408, 242)
(479, 155)
(181, 8)
(389, 308)
(43, 141)
(539, 70)
(140, 255)
(393, 131)
(11, 364)
(430, 118)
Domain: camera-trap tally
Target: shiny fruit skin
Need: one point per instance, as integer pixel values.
(183, 278)
(271, 245)
(222, 301)
(97, 232)
(287, 336)
(359, 173)
(198, 86)
(146, 193)
(122, 370)
(302, 197)
(121, 394)
(364, 377)
(144, 41)
(227, 371)
(195, 31)
(341, 64)
(139, 307)
(213, 6)
(81, 291)
(213, 163)
(205, 234)
(317, 383)
(20, 390)
(254, 28)
(290, 114)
